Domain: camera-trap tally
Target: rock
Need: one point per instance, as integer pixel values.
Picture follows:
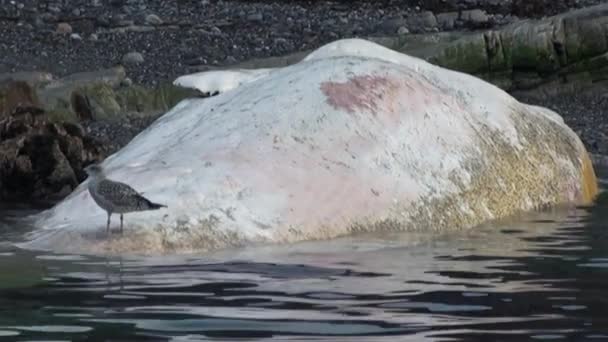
(111, 76)
(403, 30)
(392, 24)
(475, 18)
(447, 21)
(153, 19)
(93, 37)
(63, 28)
(255, 17)
(127, 82)
(41, 160)
(17, 97)
(132, 58)
(75, 36)
(33, 78)
(388, 141)
(423, 21)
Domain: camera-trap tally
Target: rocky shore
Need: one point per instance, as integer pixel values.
(106, 65)
(157, 40)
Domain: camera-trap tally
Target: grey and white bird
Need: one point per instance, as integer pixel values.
(116, 197)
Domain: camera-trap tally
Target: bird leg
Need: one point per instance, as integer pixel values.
(108, 226)
(120, 223)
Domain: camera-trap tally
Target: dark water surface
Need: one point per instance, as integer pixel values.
(543, 276)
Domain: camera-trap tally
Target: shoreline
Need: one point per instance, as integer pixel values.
(159, 40)
(155, 42)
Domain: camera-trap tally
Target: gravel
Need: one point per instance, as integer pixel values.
(174, 36)
(158, 40)
(586, 112)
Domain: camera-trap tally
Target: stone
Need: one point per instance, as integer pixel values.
(63, 28)
(390, 142)
(447, 21)
(33, 78)
(153, 19)
(403, 30)
(17, 97)
(255, 17)
(127, 82)
(75, 36)
(392, 24)
(423, 21)
(132, 58)
(41, 160)
(475, 18)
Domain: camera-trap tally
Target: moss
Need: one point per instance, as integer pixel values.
(536, 177)
(585, 37)
(135, 99)
(58, 115)
(467, 54)
(529, 46)
(103, 100)
(167, 95)
(151, 100)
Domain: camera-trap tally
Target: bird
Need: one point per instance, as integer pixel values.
(116, 197)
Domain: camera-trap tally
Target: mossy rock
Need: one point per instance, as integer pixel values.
(161, 98)
(467, 54)
(498, 61)
(102, 99)
(586, 34)
(528, 46)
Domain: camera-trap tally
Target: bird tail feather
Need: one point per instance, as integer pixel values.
(151, 205)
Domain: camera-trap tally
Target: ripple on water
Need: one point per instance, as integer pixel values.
(521, 279)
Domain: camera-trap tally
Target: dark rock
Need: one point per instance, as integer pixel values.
(17, 97)
(391, 25)
(540, 8)
(40, 160)
(81, 106)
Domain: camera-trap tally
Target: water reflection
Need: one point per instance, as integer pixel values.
(542, 276)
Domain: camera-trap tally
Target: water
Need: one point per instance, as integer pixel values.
(542, 276)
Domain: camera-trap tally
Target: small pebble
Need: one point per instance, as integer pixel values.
(63, 28)
(154, 20)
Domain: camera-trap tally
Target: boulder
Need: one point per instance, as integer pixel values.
(105, 95)
(354, 138)
(527, 54)
(41, 160)
(17, 97)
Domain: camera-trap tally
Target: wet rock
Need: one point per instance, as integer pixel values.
(17, 97)
(40, 160)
